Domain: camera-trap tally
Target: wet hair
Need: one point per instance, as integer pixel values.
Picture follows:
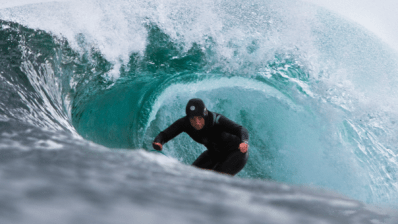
(196, 107)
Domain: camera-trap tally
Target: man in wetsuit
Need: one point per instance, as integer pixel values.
(226, 142)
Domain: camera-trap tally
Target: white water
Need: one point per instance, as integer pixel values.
(350, 80)
(379, 17)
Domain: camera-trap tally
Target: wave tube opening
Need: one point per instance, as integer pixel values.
(287, 141)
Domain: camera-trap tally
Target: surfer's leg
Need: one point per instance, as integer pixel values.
(233, 163)
(205, 161)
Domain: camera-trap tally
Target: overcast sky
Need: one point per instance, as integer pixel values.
(378, 16)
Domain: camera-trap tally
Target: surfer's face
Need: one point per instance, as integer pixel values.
(197, 122)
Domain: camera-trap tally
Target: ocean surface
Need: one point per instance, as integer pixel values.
(85, 86)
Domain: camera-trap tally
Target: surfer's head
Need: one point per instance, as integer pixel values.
(197, 122)
(196, 112)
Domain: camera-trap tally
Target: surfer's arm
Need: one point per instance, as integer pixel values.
(169, 133)
(233, 128)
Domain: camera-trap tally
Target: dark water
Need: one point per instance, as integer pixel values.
(85, 87)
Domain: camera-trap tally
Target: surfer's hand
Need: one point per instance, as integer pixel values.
(243, 147)
(157, 146)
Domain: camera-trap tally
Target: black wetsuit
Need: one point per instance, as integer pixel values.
(221, 137)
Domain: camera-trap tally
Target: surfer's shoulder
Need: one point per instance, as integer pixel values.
(215, 117)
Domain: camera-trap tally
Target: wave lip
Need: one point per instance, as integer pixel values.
(117, 186)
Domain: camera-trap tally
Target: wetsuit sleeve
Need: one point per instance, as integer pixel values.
(171, 132)
(232, 127)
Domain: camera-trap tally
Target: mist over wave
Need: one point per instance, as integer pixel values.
(317, 94)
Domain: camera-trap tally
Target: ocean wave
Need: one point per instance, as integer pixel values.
(313, 90)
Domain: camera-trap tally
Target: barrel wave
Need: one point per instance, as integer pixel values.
(316, 93)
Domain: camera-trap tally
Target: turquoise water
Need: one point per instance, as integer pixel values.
(316, 92)
(302, 131)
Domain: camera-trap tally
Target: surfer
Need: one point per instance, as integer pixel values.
(226, 141)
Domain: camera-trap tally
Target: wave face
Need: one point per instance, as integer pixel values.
(317, 93)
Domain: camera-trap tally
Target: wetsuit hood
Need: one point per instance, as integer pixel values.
(196, 107)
